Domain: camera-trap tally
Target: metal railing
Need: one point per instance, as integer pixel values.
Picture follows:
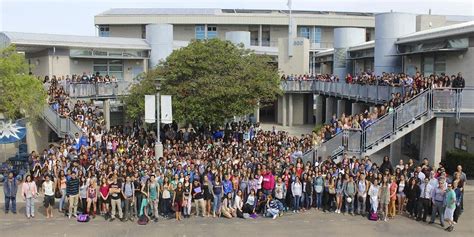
(433, 102)
(59, 124)
(109, 89)
(369, 93)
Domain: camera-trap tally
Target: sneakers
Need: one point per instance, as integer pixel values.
(450, 228)
(275, 216)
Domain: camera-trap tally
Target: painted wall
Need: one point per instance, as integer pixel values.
(298, 109)
(132, 68)
(466, 127)
(299, 63)
(462, 62)
(184, 32)
(412, 63)
(79, 65)
(127, 31)
(60, 65)
(40, 65)
(37, 135)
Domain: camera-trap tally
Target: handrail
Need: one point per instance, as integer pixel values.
(59, 124)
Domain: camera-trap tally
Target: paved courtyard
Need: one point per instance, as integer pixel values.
(310, 223)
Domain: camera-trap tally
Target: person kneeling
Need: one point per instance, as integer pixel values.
(271, 207)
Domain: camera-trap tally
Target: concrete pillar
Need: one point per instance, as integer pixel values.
(396, 151)
(106, 108)
(432, 139)
(257, 113)
(343, 39)
(239, 37)
(331, 106)
(390, 26)
(284, 114)
(290, 110)
(341, 107)
(160, 38)
(260, 35)
(356, 108)
(318, 108)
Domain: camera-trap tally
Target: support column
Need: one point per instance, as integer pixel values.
(396, 151)
(260, 35)
(432, 138)
(356, 108)
(290, 110)
(107, 113)
(257, 113)
(283, 121)
(331, 106)
(341, 107)
(318, 108)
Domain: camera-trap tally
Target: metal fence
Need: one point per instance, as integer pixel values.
(111, 89)
(368, 93)
(60, 124)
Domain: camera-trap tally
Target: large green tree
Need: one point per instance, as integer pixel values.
(21, 94)
(211, 81)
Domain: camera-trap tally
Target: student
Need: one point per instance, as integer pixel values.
(166, 197)
(217, 191)
(115, 201)
(250, 204)
(104, 197)
(178, 199)
(384, 197)
(198, 197)
(29, 193)
(374, 193)
(392, 209)
(272, 207)
(450, 200)
(227, 209)
(48, 190)
(296, 190)
(72, 190)
(10, 190)
(128, 190)
(92, 198)
(238, 204)
(208, 195)
(401, 194)
(438, 196)
(154, 194)
(349, 193)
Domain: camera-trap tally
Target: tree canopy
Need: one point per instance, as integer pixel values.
(22, 95)
(211, 81)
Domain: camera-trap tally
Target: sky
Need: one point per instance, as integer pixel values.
(76, 17)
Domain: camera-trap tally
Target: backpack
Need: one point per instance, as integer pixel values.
(373, 216)
(143, 220)
(83, 218)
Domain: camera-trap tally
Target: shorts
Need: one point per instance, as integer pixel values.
(448, 213)
(48, 201)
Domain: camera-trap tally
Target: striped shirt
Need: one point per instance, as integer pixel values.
(72, 186)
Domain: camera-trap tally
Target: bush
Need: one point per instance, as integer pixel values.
(455, 158)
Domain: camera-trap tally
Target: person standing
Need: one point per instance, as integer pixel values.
(154, 191)
(178, 199)
(48, 189)
(384, 197)
(72, 191)
(424, 200)
(438, 196)
(10, 189)
(349, 193)
(362, 189)
(128, 189)
(392, 210)
(296, 190)
(459, 196)
(115, 202)
(29, 193)
(412, 192)
(374, 192)
(450, 207)
(198, 197)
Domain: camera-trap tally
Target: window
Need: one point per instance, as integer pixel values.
(109, 67)
(143, 31)
(200, 32)
(104, 31)
(211, 32)
(317, 35)
(304, 32)
(440, 64)
(460, 141)
(428, 65)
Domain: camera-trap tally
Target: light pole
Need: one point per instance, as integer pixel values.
(158, 144)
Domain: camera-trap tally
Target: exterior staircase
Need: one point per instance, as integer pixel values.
(60, 125)
(389, 128)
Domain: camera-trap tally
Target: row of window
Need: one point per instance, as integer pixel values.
(311, 33)
(109, 67)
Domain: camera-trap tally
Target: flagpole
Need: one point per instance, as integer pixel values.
(290, 31)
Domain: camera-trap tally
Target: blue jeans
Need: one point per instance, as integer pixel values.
(319, 200)
(30, 207)
(296, 203)
(7, 204)
(271, 212)
(216, 204)
(350, 206)
(63, 199)
(308, 200)
(438, 207)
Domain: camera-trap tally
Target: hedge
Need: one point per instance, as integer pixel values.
(455, 158)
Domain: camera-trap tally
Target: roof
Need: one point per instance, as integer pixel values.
(440, 32)
(363, 46)
(36, 39)
(327, 52)
(219, 11)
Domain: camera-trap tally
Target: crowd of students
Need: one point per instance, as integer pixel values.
(238, 171)
(416, 82)
(84, 78)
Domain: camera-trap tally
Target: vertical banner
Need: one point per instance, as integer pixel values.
(150, 108)
(166, 110)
